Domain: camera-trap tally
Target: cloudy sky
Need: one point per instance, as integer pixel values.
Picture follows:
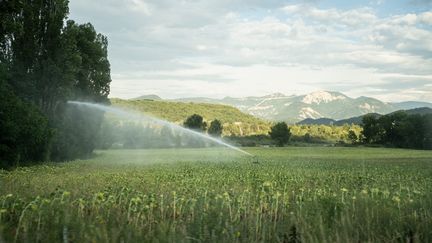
(218, 48)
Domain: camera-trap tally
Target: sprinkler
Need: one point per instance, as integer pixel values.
(255, 159)
(138, 116)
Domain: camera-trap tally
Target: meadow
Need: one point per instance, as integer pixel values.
(292, 194)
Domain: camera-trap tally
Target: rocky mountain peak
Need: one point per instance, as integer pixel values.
(319, 97)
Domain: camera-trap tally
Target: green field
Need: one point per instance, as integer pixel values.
(315, 194)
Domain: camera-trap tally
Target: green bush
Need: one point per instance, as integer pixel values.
(25, 134)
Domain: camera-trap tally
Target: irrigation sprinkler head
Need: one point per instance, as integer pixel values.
(255, 159)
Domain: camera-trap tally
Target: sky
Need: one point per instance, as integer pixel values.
(238, 48)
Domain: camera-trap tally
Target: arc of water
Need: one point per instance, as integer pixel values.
(139, 116)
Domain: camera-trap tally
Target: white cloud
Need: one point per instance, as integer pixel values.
(426, 18)
(140, 6)
(217, 48)
(408, 19)
(355, 17)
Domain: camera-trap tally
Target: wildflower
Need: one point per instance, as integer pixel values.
(344, 189)
(375, 190)
(267, 184)
(396, 199)
(364, 191)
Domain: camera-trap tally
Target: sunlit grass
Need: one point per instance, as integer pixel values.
(310, 194)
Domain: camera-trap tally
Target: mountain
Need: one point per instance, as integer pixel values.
(407, 105)
(419, 111)
(355, 120)
(147, 97)
(315, 105)
(358, 119)
(234, 121)
(319, 104)
(319, 121)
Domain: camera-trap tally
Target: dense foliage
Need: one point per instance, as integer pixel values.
(323, 133)
(195, 122)
(352, 136)
(399, 129)
(292, 195)
(24, 131)
(215, 128)
(280, 133)
(47, 60)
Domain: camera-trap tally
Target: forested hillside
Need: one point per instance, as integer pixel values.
(243, 129)
(234, 121)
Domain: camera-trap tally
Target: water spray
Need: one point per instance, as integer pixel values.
(139, 116)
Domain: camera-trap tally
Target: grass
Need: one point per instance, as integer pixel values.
(315, 194)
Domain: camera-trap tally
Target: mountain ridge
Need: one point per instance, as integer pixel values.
(319, 104)
(358, 119)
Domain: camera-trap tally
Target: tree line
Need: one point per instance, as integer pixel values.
(46, 60)
(394, 130)
(399, 130)
(280, 133)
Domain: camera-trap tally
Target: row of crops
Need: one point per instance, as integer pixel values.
(282, 195)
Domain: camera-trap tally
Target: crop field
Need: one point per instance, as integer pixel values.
(293, 194)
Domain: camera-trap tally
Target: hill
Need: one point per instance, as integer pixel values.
(358, 119)
(319, 121)
(147, 97)
(234, 121)
(355, 120)
(419, 111)
(407, 105)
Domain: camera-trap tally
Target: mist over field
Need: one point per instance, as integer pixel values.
(215, 121)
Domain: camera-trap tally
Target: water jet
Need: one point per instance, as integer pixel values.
(139, 116)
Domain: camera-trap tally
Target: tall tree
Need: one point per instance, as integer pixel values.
(352, 136)
(371, 129)
(215, 128)
(195, 122)
(78, 128)
(280, 133)
(47, 61)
